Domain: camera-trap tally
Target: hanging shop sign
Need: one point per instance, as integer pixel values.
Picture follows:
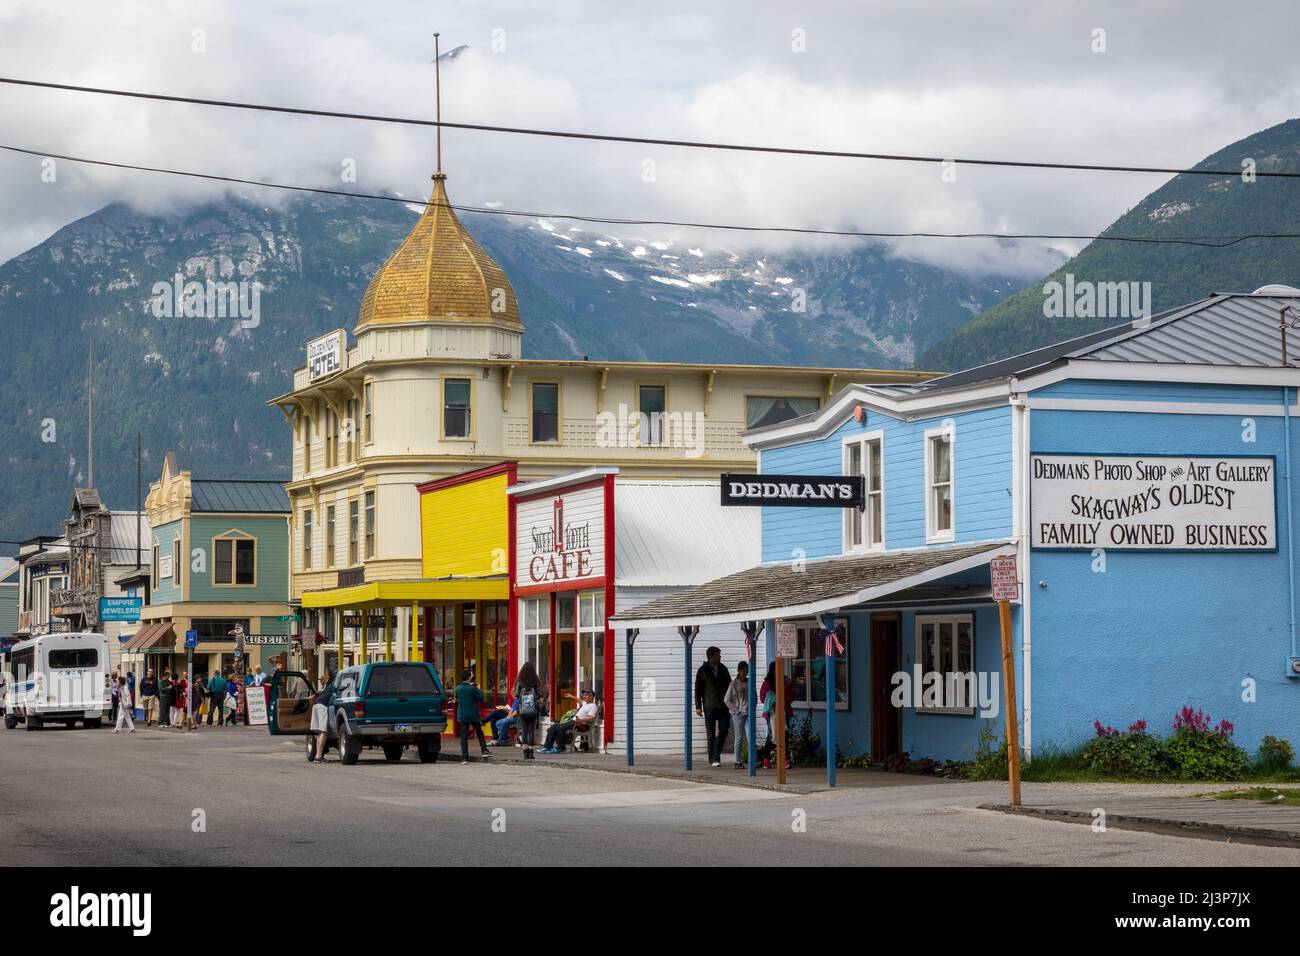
(794, 491)
(1154, 502)
(560, 540)
(325, 355)
(362, 620)
(120, 609)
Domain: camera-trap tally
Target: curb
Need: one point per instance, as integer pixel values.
(1196, 829)
(661, 775)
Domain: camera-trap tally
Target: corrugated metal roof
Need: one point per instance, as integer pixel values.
(238, 495)
(8, 567)
(784, 589)
(676, 533)
(1221, 330)
(122, 536)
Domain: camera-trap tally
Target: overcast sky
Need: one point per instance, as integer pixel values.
(1176, 82)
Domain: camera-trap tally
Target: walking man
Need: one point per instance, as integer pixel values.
(711, 683)
(149, 697)
(125, 703)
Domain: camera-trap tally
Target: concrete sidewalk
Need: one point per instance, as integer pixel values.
(672, 767)
(1196, 815)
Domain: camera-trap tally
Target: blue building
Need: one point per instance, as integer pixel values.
(1141, 478)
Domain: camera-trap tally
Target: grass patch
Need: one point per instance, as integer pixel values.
(1288, 798)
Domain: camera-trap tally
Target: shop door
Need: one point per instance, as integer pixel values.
(885, 730)
(566, 676)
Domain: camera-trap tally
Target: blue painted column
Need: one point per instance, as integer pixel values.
(831, 749)
(688, 633)
(752, 630)
(632, 633)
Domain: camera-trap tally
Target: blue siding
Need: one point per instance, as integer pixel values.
(981, 469)
(1158, 631)
(166, 591)
(1160, 392)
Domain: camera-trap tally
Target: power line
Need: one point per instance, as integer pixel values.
(641, 140)
(1207, 241)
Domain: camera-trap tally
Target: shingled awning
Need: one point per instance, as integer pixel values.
(781, 591)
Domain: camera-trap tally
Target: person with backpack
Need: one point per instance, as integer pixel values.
(232, 700)
(530, 705)
(767, 696)
(468, 697)
(216, 698)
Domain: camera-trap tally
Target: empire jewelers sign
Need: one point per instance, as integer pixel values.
(794, 491)
(325, 355)
(1153, 502)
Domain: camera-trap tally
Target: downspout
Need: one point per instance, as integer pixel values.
(1290, 517)
(1020, 527)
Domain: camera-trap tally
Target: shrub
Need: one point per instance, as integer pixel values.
(806, 745)
(990, 761)
(1132, 753)
(1275, 753)
(1195, 752)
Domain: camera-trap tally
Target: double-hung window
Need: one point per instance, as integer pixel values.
(306, 539)
(546, 412)
(370, 524)
(939, 504)
(537, 634)
(945, 647)
(176, 560)
(865, 529)
(808, 668)
(456, 408)
(651, 403)
(235, 561)
(354, 518)
(330, 536)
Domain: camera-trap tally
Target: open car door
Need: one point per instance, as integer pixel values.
(291, 702)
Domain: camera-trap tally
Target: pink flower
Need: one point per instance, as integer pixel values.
(1138, 727)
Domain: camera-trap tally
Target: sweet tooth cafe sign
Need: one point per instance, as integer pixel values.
(1153, 502)
(561, 540)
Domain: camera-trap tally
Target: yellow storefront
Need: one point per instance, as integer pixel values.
(460, 605)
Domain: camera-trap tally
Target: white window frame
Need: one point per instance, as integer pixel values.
(917, 692)
(932, 533)
(176, 560)
(863, 518)
(533, 636)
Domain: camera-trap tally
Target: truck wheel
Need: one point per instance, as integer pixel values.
(349, 745)
(393, 752)
(92, 723)
(10, 722)
(33, 723)
(428, 750)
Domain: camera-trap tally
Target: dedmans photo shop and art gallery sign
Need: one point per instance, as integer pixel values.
(1154, 502)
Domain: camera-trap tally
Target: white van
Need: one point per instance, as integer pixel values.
(61, 678)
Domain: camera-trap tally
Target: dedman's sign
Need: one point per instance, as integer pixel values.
(1154, 502)
(795, 491)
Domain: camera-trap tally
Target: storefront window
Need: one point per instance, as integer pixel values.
(440, 628)
(808, 669)
(537, 634)
(591, 642)
(945, 644)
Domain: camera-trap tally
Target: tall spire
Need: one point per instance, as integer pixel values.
(437, 104)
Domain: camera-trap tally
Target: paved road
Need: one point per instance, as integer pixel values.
(82, 797)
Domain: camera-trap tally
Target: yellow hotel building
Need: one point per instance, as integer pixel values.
(434, 385)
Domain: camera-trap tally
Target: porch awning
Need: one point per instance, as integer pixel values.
(818, 586)
(401, 593)
(150, 636)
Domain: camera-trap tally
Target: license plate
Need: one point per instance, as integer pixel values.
(403, 728)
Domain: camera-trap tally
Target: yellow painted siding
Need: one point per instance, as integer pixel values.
(465, 529)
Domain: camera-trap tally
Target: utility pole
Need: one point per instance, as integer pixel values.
(139, 515)
(90, 416)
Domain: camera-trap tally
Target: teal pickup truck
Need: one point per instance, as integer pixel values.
(385, 705)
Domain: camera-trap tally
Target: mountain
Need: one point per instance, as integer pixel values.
(199, 385)
(1186, 206)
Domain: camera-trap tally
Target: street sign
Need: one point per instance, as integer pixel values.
(1005, 580)
(191, 639)
(787, 639)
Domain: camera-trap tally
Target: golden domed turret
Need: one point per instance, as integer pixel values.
(439, 274)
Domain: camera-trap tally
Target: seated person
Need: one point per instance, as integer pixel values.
(581, 722)
(502, 721)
